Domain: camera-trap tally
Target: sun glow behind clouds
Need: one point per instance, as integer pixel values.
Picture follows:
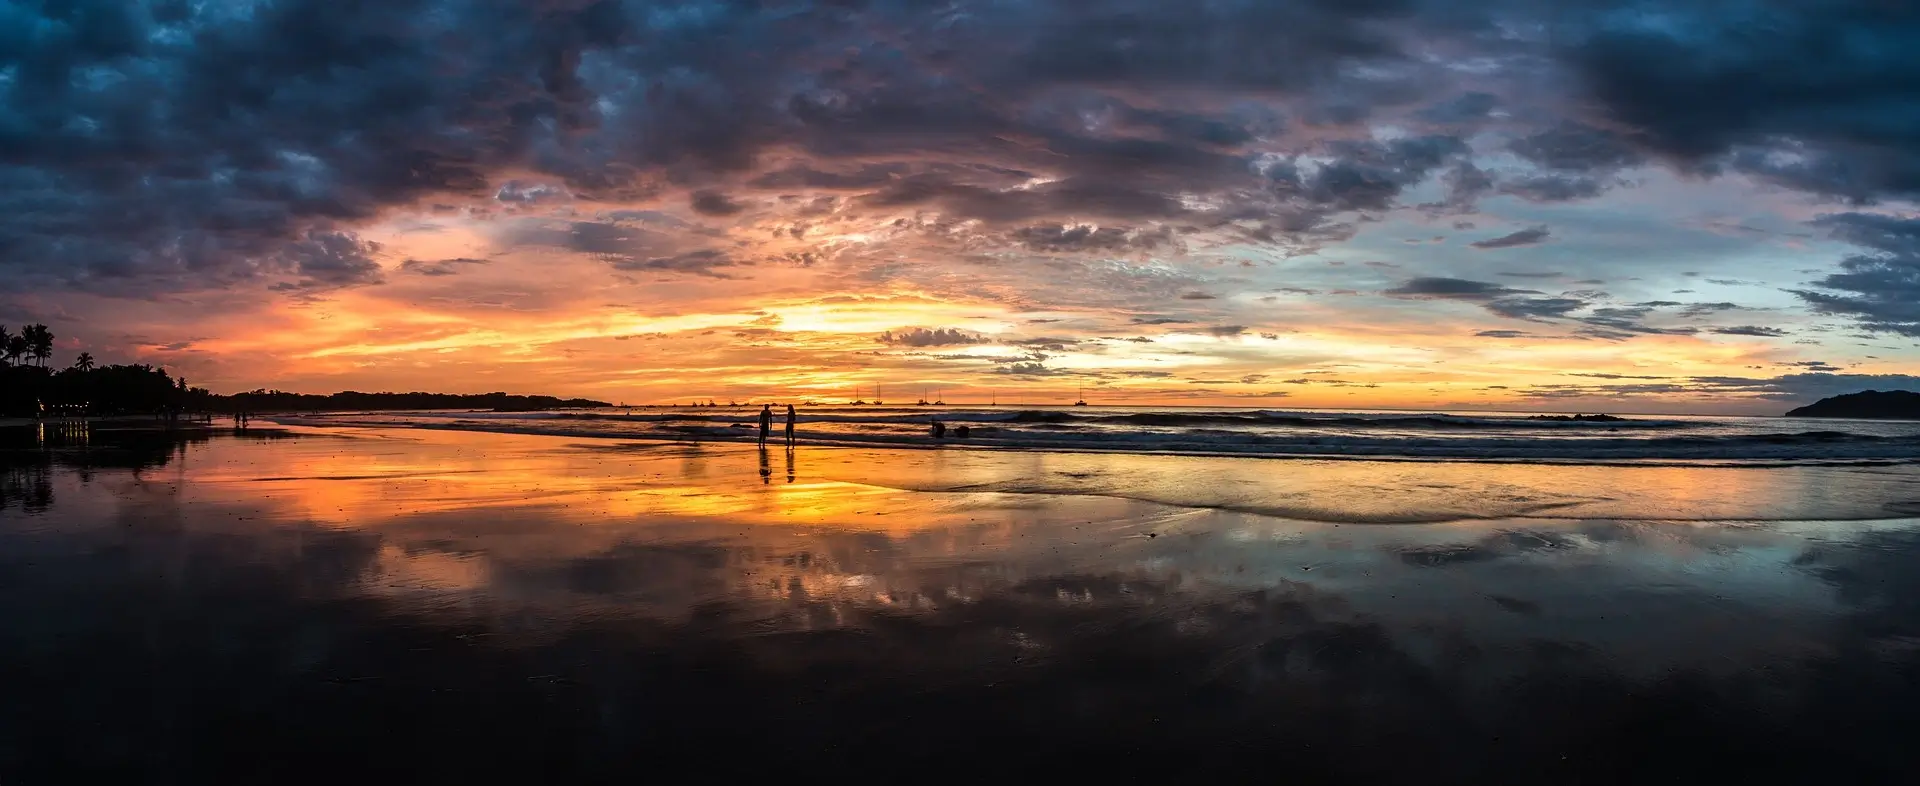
(747, 338)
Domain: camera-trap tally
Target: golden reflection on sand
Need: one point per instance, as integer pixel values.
(513, 526)
(359, 480)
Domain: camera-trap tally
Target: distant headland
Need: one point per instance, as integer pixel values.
(31, 386)
(1878, 404)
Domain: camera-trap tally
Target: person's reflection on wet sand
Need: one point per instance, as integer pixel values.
(766, 465)
(789, 463)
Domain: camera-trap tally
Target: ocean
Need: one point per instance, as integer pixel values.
(1272, 433)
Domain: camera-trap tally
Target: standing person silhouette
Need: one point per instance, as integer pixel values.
(766, 423)
(790, 418)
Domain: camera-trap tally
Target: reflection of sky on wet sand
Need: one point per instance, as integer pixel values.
(531, 521)
(530, 540)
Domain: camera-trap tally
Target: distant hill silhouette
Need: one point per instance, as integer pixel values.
(1888, 404)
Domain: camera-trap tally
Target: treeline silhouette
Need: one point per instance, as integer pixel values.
(30, 388)
(277, 401)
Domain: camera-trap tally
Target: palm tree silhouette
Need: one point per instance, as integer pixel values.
(6, 341)
(84, 362)
(16, 348)
(39, 342)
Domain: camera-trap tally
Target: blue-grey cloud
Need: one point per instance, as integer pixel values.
(1441, 288)
(704, 262)
(1570, 147)
(1880, 287)
(1815, 96)
(150, 145)
(1524, 237)
(330, 260)
(1535, 307)
(438, 267)
(1749, 330)
(1554, 188)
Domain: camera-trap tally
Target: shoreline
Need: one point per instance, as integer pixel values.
(1331, 492)
(983, 445)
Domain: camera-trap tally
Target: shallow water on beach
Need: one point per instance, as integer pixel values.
(1676, 440)
(311, 605)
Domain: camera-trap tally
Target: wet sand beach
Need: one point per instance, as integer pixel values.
(313, 605)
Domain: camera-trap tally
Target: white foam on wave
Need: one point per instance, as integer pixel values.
(1228, 433)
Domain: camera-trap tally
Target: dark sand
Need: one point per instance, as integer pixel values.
(442, 607)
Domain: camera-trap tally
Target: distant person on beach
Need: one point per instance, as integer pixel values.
(790, 419)
(766, 422)
(939, 430)
(960, 432)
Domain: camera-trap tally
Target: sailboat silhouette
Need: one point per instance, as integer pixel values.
(1083, 397)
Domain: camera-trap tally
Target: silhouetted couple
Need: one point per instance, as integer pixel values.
(766, 423)
(940, 430)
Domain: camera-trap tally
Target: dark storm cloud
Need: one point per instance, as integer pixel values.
(1621, 322)
(1031, 369)
(1060, 237)
(1748, 330)
(932, 337)
(1465, 109)
(1524, 237)
(1535, 307)
(1366, 175)
(1880, 288)
(1438, 288)
(714, 203)
(1466, 183)
(1571, 147)
(631, 248)
(1554, 188)
(1499, 300)
(700, 263)
(1060, 200)
(1703, 309)
(330, 260)
(152, 145)
(1810, 386)
(438, 267)
(1817, 96)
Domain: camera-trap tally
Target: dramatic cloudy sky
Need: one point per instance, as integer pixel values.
(1685, 205)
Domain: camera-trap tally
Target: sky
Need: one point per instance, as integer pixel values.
(1700, 206)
